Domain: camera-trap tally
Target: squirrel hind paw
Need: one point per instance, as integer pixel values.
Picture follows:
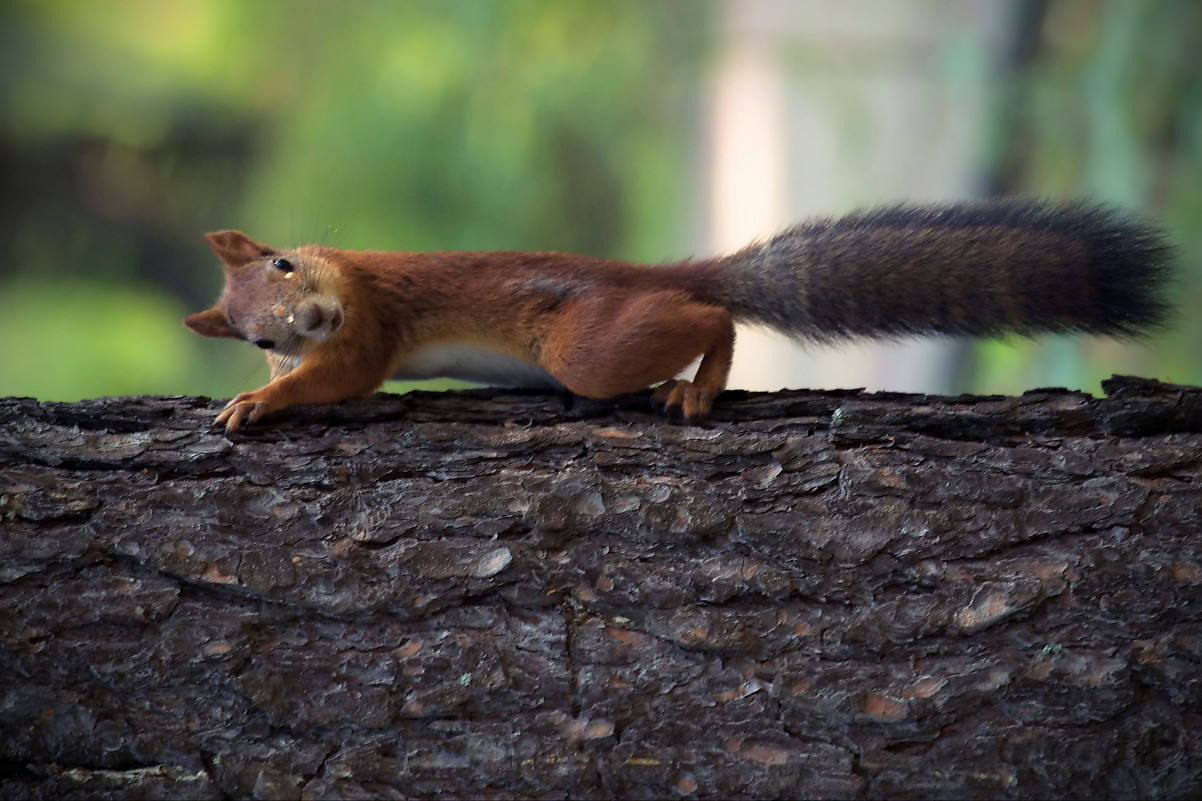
(683, 400)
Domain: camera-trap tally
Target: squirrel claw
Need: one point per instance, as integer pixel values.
(243, 408)
(683, 400)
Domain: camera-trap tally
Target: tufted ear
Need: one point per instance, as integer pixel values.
(211, 323)
(236, 248)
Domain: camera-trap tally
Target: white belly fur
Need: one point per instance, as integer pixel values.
(474, 364)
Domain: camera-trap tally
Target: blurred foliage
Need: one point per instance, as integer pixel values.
(79, 346)
(1104, 100)
(128, 128)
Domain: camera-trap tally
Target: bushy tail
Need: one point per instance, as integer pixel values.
(1010, 266)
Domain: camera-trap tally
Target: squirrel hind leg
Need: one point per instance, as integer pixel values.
(602, 351)
(694, 400)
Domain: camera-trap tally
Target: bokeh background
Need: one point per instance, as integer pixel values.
(647, 130)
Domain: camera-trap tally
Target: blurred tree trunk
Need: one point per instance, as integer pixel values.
(818, 594)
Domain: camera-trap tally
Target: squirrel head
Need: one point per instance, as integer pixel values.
(283, 301)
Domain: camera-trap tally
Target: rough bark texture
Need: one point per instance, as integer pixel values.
(484, 595)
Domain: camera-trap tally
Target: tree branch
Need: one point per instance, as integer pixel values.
(482, 594)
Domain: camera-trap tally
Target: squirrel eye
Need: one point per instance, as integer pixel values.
(283, 264)
(265, 344)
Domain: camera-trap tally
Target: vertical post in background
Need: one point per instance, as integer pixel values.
(818, 108)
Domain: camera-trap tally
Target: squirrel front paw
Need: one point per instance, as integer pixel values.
(683, 399)
(246, 408)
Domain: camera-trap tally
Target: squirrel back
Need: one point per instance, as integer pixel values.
(982, 269)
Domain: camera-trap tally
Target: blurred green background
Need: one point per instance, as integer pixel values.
(129, 129)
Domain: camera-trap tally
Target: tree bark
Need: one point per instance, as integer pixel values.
(487, 595)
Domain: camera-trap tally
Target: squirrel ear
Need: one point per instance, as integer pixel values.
(236, 248)
(211, 323)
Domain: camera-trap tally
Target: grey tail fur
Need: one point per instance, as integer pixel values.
(982, 269)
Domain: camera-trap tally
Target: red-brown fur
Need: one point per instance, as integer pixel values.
(600, 328)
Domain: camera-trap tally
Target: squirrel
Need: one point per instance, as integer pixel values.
(336, 323)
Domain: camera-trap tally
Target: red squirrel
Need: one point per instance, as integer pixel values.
(336, 323)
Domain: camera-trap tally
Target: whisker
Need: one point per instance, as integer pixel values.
(247, 381)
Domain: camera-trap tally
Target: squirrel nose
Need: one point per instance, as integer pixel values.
(309, 317)
(315, 319)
